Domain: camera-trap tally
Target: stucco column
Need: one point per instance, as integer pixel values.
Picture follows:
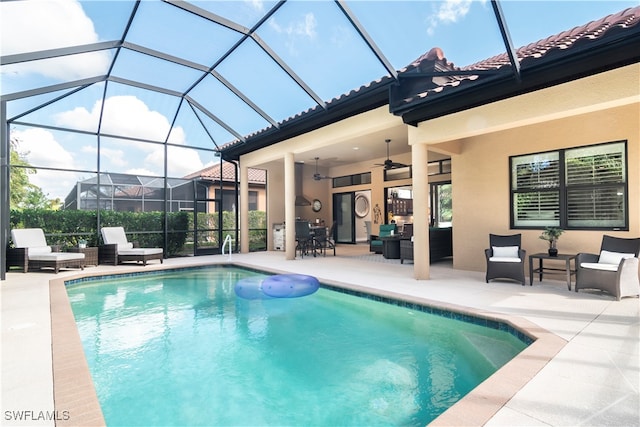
(244, 209)
(290, 205)
(420, 181)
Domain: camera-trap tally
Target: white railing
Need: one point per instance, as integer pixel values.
(228, 240)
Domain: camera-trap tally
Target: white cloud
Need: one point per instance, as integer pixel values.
(115, 157)
(123, 115)
(127, 116)
(183, 161)
(51, 24)
(306, 28)
(42, 150)
(257, 5)
(450, 11)
(79, 118)
(140, 171)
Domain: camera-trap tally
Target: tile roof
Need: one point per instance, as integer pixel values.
(528, 56)
(256, 176)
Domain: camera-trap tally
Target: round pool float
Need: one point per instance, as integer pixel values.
(250, 288)
(289, 285)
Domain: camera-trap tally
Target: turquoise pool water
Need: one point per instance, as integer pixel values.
(179, 348)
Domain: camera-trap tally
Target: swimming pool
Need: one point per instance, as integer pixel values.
(179, 348)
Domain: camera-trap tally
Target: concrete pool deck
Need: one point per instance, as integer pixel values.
(591, 378)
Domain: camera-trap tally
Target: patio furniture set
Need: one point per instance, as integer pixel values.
(613, 270)
(30, 251)
(314, 239)
(394, 245)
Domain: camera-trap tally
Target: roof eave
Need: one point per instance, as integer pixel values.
(340, 109)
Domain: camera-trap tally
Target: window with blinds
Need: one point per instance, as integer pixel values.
(535, 185)
(595, 186)
(583, 187)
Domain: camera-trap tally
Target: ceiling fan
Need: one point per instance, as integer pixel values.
(390, 164)
(317, 176)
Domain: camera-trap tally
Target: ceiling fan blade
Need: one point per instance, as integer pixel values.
(397, 165)
(388, 163)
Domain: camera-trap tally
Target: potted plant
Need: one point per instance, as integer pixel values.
(551, 234)
(82, 243)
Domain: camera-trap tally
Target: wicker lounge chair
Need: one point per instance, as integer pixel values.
(505, 258)
(31, 251)
(614, 270)
(117, 249)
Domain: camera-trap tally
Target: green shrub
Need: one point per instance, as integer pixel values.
(66, 227)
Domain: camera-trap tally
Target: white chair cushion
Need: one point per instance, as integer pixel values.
(505, 252)
(504, 259)
(56, 256)
(599, 266)
(140, 251)
(116, 235)
(28, 238)
(607, 257)
(39, 250)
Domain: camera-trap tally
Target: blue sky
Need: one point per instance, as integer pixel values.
(313, 37)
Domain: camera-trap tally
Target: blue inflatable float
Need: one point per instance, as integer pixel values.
(277, 286)
(289, 285)
(250, 288)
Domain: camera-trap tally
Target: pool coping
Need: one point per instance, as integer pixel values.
(75, 394)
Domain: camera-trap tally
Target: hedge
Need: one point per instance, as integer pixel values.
(66, 227)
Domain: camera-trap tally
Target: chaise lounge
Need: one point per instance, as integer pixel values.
(117, 249)
(31, 251)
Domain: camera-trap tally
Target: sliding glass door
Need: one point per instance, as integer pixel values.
(441, 211)
(343, 213)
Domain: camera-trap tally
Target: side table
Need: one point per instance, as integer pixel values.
(391, 247)
(567, 258)
(90, 254)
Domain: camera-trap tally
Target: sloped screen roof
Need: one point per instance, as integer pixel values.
(229, 68)
(201, 74)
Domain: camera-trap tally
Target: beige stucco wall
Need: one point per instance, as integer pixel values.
(596, 109)
(481, 180)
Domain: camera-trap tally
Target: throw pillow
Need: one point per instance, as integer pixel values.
(607, 257)
(505, 251)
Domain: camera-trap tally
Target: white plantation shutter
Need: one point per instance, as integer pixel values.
(595, 181)
(536, 184)
(592, 192)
